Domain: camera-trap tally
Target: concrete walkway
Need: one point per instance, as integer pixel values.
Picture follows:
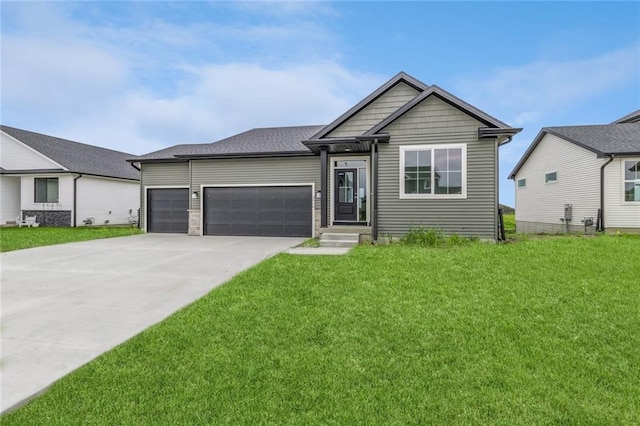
(64, 305)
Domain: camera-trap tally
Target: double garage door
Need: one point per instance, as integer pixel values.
(254, 210)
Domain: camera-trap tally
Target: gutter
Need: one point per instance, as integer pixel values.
(600, 226)
(75, 199)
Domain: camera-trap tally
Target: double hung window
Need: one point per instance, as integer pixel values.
(632, 181)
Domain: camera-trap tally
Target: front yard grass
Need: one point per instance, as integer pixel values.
(15, 238)
(543, 331)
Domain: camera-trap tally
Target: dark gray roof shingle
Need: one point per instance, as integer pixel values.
(78, 157)
(270, 140)
(603, 139)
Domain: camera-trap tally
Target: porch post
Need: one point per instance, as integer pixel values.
(324, 185)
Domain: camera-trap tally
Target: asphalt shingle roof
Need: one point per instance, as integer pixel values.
(78, 157)
(604, 139)
(256, 141)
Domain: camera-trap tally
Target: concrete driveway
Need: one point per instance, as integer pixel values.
(64, 305)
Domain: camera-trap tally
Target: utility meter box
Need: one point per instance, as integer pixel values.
(568, 212)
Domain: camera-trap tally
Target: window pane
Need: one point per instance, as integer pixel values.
(352, 164)
(410, 159)
(52, 190)
(40, 190)
(440, 160)
(632, 191)
(424, 183)
(455, 182)
(631, 170)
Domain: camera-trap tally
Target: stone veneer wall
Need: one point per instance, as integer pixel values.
(54, 218)
(194, 223)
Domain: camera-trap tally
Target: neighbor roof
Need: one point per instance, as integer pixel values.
(603, 140)
(261, 141)
(633, 117)
(77, 157)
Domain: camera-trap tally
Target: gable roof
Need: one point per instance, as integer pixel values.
(77, 157)
(603, 140)
(447, 97)
(633, 117)
(401, 77)
(255, 142)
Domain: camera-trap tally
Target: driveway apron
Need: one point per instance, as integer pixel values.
(64, 305)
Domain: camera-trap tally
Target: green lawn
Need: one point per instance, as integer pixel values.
(509, 223)
(16, 238)
(543, 331)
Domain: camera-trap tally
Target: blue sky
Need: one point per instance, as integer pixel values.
(141, 76)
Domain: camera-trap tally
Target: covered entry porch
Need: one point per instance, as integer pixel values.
(348, 183)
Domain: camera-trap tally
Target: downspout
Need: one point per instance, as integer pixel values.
(75, 199)
(374, 222)
(601, 222)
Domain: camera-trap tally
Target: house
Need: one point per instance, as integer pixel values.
(407, 155)
(64, 183)
(573, 174)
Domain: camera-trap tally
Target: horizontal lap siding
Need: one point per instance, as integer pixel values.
(578, 184)
(617, 212)
(161, 174)
(435, 122)
(377, 111)
(255, 171)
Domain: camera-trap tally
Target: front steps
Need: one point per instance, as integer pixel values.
(330, 239)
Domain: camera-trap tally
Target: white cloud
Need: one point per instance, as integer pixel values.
(134, 88)
(538, 89)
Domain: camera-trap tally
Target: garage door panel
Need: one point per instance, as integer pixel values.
(168, 210)
(263, 210)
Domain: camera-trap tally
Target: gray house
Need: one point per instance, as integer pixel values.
(407, 155)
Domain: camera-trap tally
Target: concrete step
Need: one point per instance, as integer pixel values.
(339, 236)
(339, 240)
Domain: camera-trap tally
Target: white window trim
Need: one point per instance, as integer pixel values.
(624, 181)
(518, 183)
(332, 168)
(405, 148)
(551, 181)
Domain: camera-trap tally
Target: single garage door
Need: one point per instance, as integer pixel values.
(274, 211)
(167, 210)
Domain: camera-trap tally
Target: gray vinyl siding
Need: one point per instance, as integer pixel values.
(161, 174)
(377, 111)
(255, 171)
(436, 122)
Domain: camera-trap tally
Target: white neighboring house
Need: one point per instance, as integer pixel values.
(572, 173)
(64, 183)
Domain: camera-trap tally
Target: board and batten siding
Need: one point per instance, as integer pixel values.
(617, 212)
(375, 112)
(578, 184)
(158, 175)
(255, 171)
(106, 199)
(436, 122)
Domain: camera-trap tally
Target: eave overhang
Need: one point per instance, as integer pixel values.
(503, 135)
(355, 144)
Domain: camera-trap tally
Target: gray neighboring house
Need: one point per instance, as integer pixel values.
(573, 174)
(62, 182)
(407, 155)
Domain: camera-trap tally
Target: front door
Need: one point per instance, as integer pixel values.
(346, 196)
